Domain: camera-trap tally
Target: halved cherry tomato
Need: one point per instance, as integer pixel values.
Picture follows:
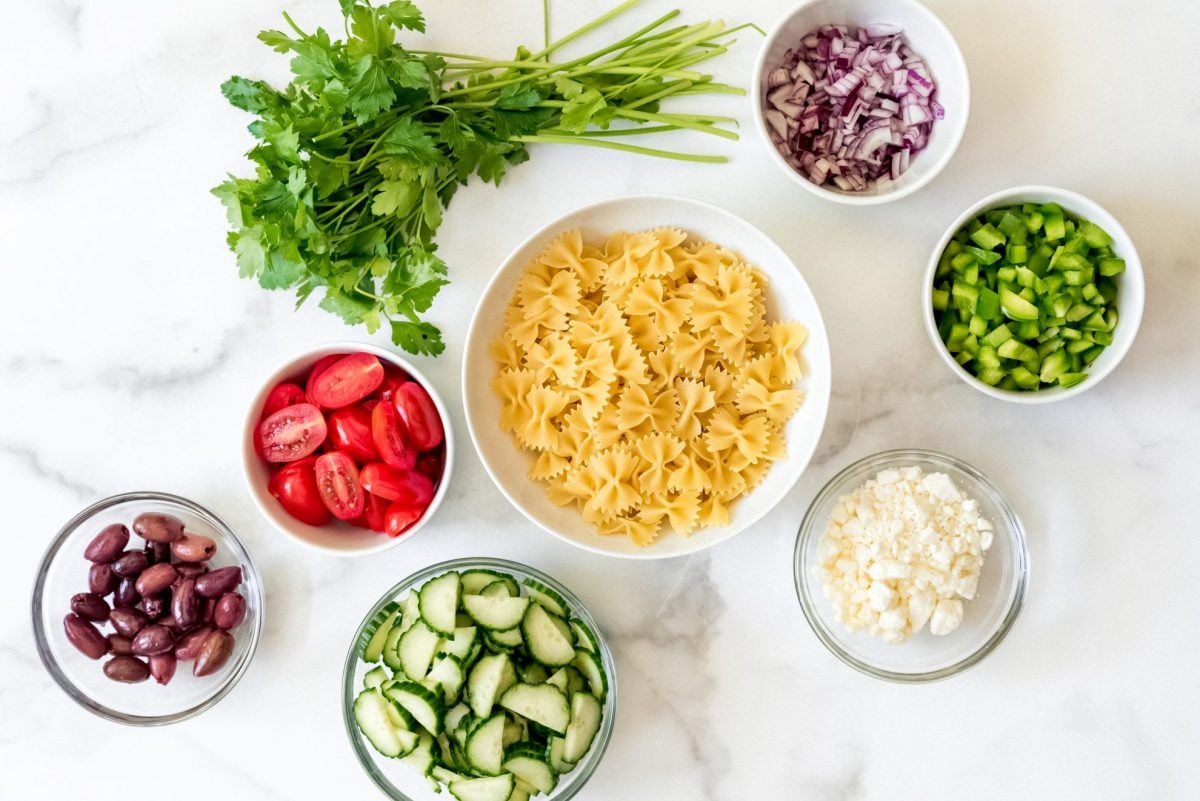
(350, 433)
(408, 486)
(374, 515)
(420, 415)
(295, 487)
(346, 381)
(432, 464)
(338, 485)
(280, 397)
(391, 382)
(323, 364)
(291, 433)
(391, 438)
(400, 518)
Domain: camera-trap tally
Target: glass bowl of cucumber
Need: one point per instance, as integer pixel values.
(482, 677)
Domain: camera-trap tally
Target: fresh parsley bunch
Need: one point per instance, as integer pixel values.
(357, 157)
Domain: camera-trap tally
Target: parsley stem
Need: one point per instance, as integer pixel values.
(586, 29)
(628, 148)
(677, 119)
(546, 24)
(294, 26)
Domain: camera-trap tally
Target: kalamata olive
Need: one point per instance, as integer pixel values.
(126, 595)
(191, 570)
(210, 611)
(230, 611)
(101, 579)
(188, 646)
(218, 582)
(127, 622)
(130, 564)
(157, 527)
(154, 639)
(108, 544)
(193, 548)
(83, 635)
(158, 552)
(218, 645)
(89, 606)
(120, 646)
(162, 667)
(155, 579)
(127, 669)
(155, 606)
(185, 604)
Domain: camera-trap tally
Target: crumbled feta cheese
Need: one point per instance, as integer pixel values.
(902, 550)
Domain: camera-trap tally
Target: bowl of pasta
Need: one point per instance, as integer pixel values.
(646, 377)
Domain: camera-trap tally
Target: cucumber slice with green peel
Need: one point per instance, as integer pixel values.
(445, 775)
(498, 587)
(375, 677)
(401, 718)
(569, 680)
(447, 673)
(489, 679)
(527, 762)
(504, 641)
(462, 644)
(375, 633)
(586, 714)
(545, 639)
(547, 597)
(519, 794)
(514, 732)
(540, 703)
(584, 638)
(371, 715)
(533, 673)
(410, 611)
(391, 653)
(489, 788)
(456, 715)
(495, 612)
(415, 650)
(438, 603)
(485, 746)
(589, 665)
(421, 758)
(473, 581)
(554, 755)
(425, 705)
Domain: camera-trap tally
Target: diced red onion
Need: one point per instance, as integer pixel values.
(850, 107)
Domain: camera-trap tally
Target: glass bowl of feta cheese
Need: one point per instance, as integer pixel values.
(911, 566)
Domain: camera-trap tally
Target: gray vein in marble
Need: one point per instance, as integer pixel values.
(46, 116)
(28, 457)
(41, 172)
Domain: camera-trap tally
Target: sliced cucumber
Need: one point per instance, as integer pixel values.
(424, 705)
(374, 634)
(391, 656)
(411, 611)
(473, 581)
(519, 794)
(533, 673)
(584, 638)
(548, 597)
(504, 641)
(371, 715)
(489, 679)
(589, 665)
(585, 722)
(495, 612)
(514, 732)
(447, 673)
(485, 746)
(375, 677)
(554, 755)
(445, 775)
(438, 603)
(527, 762)
(456, 715)
(401, 718)
(498, 587)
(545, 640)
(541, 703)
(421, 758)
(490, 788)
(463, 643)
(568, 679)
(415, 650)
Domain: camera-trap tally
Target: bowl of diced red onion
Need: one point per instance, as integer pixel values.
(861, 101)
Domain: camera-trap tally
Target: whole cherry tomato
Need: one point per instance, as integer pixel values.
(420, 416)
(346, 381)
(391, 438)
(400, 518)
(408, 486)
(432, 464)
(280, 397)
(374, 515)
(338, 485)
(350, 433)
(295, 487)
(291, 433)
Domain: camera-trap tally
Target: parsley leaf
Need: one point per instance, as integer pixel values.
(420, 338)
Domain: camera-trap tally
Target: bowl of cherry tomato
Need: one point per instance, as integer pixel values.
(348, 449)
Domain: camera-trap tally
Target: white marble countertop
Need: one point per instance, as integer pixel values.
(129, 348)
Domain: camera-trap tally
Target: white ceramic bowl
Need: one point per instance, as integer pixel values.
(788, 298)
(927, 36)
(1131, 289)
(336, 537)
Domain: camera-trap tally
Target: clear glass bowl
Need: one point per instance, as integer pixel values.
(988, 616)
(64, 572)
(398, 780)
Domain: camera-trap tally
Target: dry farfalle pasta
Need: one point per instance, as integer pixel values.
(644, 376)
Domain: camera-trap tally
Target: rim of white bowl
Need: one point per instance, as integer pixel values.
(1080, 206)
(848, 198)
(542, 232)
(249, 458)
